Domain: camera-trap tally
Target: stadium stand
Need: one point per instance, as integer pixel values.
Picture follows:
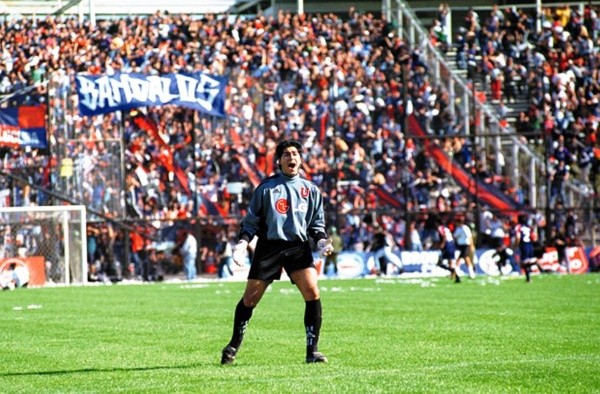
(343, 84)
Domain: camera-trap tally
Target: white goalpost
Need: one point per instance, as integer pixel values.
(50, 241)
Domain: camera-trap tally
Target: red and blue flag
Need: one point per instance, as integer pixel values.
(487, 193)
(23, 126)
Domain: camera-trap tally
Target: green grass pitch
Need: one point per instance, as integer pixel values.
(485, 335)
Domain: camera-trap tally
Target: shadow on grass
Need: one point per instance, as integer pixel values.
(88, 370)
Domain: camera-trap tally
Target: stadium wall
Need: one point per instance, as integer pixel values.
(424, 264)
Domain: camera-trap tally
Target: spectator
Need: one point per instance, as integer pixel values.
(331, 259)
(49, 246)
(571, 228)
(187, 246)
(225, 252)
(557, 239)
(414, 238)
(559, 178)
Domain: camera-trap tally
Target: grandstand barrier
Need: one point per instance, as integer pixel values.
(352, 265)
(34, 266)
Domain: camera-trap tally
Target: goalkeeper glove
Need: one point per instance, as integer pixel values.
(239, 252)
(325, 247)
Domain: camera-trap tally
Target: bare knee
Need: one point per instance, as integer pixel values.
(311, 294)
(306, 281)
(309, 291)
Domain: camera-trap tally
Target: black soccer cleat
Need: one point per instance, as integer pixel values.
(454, 276)
(228, 355)
(316, 357)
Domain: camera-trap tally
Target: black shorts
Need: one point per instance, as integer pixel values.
(270, 257)
(463, 250)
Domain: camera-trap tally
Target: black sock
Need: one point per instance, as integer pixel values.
(312, 323)
(383, 265)
(240, 322)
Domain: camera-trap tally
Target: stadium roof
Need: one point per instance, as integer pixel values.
(105, 8)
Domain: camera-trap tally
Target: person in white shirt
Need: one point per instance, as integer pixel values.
(464, 243)
(189, 252)
(225, 251)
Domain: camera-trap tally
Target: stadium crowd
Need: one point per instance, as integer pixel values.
(555, 69)
(335, 83)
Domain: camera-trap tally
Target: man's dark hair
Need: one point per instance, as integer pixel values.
(286, 144)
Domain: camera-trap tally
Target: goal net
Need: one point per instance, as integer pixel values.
(50, 241)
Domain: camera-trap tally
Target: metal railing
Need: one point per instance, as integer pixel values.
(479, 121)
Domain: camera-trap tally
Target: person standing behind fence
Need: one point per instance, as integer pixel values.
(413, 237)
(331, 260)
(571, 228)
(225, 252)
(558, 239)
(138, 254)
(189, 251)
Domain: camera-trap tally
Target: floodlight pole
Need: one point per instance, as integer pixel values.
(126, 239)
(92, 12)
(547, 147)
(538, 19)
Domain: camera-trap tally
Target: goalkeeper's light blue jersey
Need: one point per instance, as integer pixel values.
(285, 208)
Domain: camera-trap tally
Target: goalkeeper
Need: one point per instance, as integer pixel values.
(284, 212)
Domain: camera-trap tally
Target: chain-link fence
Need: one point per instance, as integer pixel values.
(88, 151)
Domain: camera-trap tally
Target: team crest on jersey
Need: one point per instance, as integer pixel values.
(304, 192)
(282, 205)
